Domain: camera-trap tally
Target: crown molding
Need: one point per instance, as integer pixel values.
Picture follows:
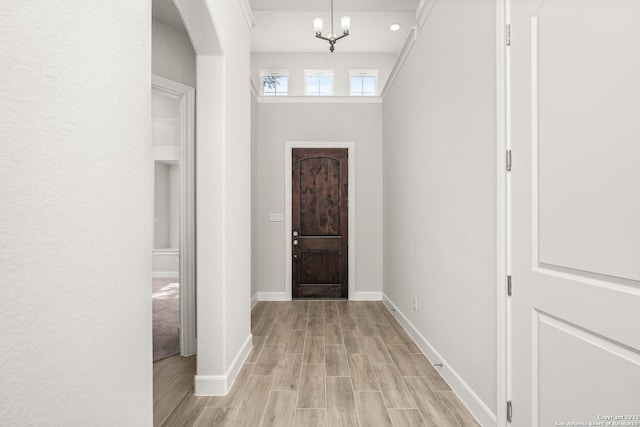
(402, 56)
(254, 89)
(319, 100)
(423, 11)
(248, 14)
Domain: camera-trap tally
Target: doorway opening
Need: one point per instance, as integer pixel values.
(173, 258)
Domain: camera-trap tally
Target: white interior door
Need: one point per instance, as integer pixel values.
(575, 203)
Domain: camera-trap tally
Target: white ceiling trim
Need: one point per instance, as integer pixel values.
(248, 14)
(319, 100)
(254, 89)
(423, 11)
(402, 56)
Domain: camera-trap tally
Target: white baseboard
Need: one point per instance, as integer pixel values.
(366, 296)
(165, 274)
(273, 296)
(254, 300)
(469, 398)
(282, 296)
(220, 385)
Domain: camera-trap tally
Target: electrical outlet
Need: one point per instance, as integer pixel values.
(415, 303)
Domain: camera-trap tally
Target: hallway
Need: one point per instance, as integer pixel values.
(317, 363)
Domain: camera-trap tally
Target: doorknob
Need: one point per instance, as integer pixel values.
(295, 233)
(295, 243)
(295, 256)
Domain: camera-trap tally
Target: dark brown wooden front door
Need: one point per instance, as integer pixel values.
(319, 237)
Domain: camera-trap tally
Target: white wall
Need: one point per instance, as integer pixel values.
(223, 175)
(166, 126)
(254, 193)
(440, 190)
(75, 223)
(173, 56)
(278, 123)
(341, 63)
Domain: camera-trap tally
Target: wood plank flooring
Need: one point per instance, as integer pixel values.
(317, 363)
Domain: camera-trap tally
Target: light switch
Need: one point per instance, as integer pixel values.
(276, 217)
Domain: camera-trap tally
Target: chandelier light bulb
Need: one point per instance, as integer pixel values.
(346, 23)
(317, 24)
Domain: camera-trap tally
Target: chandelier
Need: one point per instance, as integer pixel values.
(331, 38)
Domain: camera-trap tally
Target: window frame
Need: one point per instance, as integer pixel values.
(274, 73)
(363, 73)
(318, 73)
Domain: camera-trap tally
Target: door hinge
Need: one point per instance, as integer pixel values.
(509, 411)
(507, 34)
(509, 285)
(508, 160)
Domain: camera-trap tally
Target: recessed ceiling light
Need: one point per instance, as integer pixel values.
(394, 27)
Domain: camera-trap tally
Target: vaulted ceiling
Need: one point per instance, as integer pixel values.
(286, 26)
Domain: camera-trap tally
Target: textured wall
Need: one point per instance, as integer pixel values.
(223, 175)
(210, 220)
(75, 216)
(278, 123)
(440, 189)
(254, 193)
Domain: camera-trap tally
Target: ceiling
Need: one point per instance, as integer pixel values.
(292, 31)
(362, 5)
(286, 26)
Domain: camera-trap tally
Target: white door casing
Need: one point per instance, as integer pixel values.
(186, 97)
(575, 205)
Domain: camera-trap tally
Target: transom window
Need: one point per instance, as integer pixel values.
(363, 83)
(275, 83)
(318, 82)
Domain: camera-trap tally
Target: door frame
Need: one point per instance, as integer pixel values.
(503, 215)
(288, 150)
(187, 265)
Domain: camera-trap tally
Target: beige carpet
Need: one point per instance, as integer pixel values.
(166, 318)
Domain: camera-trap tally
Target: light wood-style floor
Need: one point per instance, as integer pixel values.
(317, 363)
